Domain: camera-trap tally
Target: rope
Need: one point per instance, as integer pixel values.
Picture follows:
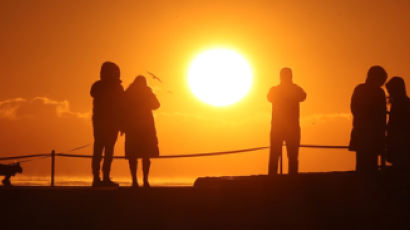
(211, 153)
(214, 153)
(170, 156)
(325, 146)
(79, 156)
(174, 156)
(34, 159)
(25, 156)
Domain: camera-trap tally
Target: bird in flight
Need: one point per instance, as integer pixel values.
(158, 79)
(154, 77)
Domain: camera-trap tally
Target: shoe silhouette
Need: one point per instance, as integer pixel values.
(146, 184)
(109, 183)
(134, 185)
(97, 183)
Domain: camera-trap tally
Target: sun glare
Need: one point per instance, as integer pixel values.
(219, 77)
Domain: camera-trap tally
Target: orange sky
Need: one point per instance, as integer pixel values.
(51, 52)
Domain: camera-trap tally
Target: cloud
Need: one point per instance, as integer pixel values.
(325, 118)
(21, 108)
(192, 116)
(219, 120)
(9, 107)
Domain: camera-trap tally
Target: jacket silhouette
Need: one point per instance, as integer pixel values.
(368, 106)
(107, 96)
(140, 134)
(398, 127)
(285, 99)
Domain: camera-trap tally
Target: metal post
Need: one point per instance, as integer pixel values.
(281, 162)
(53, 165)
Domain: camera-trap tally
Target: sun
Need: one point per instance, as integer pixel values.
(220, 77)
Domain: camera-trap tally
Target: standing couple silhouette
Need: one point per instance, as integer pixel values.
(129, 112)
(371, 137)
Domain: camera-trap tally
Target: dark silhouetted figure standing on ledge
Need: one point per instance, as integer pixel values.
(368, 106)
(285, 99)
(398, 128)
(108, 95)
(140, 134)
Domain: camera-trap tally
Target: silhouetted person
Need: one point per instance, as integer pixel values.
(368, 106)
(108, 95)
(398, 127)
(140, 134)
(285, 99)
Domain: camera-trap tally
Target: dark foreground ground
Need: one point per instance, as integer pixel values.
(309, 201)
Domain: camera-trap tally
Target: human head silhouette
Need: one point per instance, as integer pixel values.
(109, 71)
(140, 81)
(286, 75)
(396, 88)
(376, 76)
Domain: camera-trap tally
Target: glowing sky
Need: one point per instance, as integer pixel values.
(51, 52)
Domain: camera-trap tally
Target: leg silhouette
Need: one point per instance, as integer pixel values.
(366, 162)
(95, 163)
(292, 148)
(293, 160)
(109, 151)
(133, 169)
(275, 153)
(146, 163)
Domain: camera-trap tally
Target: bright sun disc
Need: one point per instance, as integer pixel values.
(219, 77)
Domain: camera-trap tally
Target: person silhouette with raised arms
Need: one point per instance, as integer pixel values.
(140, 135)
(368, 106)
(398, 128)
(285, 99)
(107, 96)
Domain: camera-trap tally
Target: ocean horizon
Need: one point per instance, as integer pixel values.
(87, 180)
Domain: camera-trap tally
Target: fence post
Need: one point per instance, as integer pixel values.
(281, 163)
(53, 164)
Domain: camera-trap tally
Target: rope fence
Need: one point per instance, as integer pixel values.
(41, 155)
(53, 155)
(25, 156)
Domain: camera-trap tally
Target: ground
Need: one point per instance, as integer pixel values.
(309, 201)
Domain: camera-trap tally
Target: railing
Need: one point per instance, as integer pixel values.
(53, 155)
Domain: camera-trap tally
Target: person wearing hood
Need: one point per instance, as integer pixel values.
(140, 134)
(368, 107)
(398, 128)
(107, 94)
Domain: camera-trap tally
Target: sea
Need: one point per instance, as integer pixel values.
(86, 181)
